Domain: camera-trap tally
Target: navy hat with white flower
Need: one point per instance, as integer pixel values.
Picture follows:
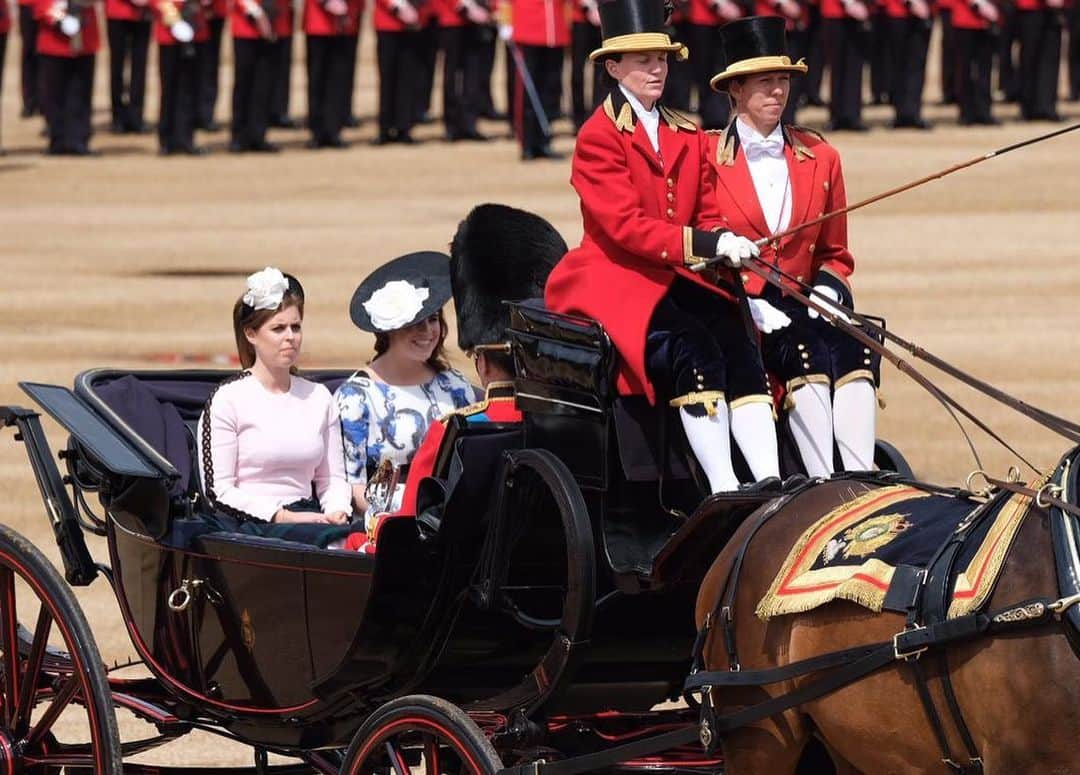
(402, 292)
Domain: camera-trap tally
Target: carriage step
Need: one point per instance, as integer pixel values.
(163, 719)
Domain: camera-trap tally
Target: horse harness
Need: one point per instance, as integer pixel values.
(921, 594)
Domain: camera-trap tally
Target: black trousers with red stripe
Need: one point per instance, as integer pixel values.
(545, 66)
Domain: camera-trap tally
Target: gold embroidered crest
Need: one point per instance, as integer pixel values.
(872, 534)
(247, 630)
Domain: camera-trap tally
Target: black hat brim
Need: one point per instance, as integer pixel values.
(423, 270)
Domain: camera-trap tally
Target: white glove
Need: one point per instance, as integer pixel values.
(822, 295)
(70, 26)
(766, 317)
(182, 31)
(506, 32)
(735, 249)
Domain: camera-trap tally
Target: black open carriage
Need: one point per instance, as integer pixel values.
(540, 606)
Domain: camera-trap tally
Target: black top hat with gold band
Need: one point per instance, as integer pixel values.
(756, 44)
(635, 25)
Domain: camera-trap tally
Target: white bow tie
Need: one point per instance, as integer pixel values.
(760, 149)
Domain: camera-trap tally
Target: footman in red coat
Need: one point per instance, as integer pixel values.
(649, 207)
(771, 177)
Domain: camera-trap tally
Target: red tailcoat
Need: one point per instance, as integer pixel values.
(817, 255)
(642, 218)
(498, 406)
(52, 42)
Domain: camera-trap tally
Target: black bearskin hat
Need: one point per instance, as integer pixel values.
(499, 254)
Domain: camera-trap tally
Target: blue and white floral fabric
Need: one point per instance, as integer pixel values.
(386, 423)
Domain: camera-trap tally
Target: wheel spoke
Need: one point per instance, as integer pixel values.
(30, 675)
(9, 642)
(431, 755)
(56, 707)
(397, 760)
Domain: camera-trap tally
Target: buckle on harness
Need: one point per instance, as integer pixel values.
(909, 654)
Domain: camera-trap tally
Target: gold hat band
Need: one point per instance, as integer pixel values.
(758, 65)
(640, 41)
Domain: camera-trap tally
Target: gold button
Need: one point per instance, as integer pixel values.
(663, 255)
(812, 246)
(799, 278)
(826, 184)
(670, 183)
(745, 277)
(670, 212)
(866, 350)
(670, 196)
(866, 361)
(802, 346)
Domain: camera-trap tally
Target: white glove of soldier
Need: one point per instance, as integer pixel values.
(182, 31)
(766, 317)
(70, 26)
(506, 32)
(822, 295)
(735, 249)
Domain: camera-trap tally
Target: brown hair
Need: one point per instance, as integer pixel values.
(437, 360)
(245, 317)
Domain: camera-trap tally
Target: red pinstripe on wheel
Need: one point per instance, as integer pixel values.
(419, 724)
(46, 600)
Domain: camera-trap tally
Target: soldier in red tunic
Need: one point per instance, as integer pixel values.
(907, 25)
(482, 284)
(463, 28)
(256, 27)
(974, 24)
(179, 27)
(399, 48)
(127, 23)
(67, 45)
(330, 27)
(542, 31)
(772, 176)
(648, 201)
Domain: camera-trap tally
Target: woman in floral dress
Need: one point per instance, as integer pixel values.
(386, 407)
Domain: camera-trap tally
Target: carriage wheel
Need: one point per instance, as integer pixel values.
(420, 734)
(56, 709)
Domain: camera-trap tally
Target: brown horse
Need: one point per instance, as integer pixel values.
(1019, 693)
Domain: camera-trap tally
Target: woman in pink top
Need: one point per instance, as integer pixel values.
(270, 439)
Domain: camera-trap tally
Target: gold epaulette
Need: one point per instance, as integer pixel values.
(676, 120)
(808, 130)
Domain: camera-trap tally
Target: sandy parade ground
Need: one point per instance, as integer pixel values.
(132, 260)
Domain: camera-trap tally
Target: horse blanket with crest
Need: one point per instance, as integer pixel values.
(853, 552)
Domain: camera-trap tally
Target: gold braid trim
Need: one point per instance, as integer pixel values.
(706, 398)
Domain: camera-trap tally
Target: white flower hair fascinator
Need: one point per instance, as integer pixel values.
(266, 289)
